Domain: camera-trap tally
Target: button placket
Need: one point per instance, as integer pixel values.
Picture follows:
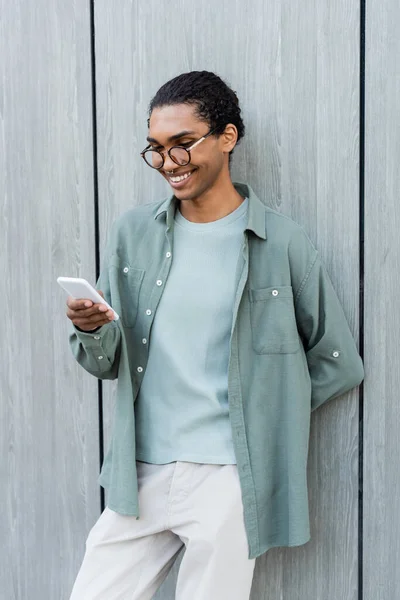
(159, 283)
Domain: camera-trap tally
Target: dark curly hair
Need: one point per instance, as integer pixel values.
(214, 101)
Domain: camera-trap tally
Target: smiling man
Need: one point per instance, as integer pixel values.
(230, 334)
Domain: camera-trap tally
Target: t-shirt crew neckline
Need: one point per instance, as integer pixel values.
(212, 225)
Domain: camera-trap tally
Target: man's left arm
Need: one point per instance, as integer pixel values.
(334, 363)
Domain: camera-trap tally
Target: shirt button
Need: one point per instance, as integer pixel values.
(126, 269)
(144, 341)
(159, 282)
(275, 292)
(335, 354)
(96, 337)
(168, 255)
(140, 369)
(99, 357)
(148, 312)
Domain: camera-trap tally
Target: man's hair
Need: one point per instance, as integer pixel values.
(214, 101)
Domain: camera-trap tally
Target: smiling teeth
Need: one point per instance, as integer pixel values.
(177, 179)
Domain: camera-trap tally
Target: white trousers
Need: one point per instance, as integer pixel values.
(195, 504)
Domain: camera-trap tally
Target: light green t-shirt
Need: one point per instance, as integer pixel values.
(182, 408)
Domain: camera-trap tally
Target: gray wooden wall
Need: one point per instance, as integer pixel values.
(64, 152)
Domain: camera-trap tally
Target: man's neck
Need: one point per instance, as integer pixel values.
(214, 204)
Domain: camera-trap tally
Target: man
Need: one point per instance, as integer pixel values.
(230, 334)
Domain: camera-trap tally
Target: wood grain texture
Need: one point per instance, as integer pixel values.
(381, 484)
(49, 413)
(295, 68)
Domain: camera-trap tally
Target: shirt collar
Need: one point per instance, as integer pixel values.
(256, 214)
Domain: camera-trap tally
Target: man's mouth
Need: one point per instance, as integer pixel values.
(179, 181)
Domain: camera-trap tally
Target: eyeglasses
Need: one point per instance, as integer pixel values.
(179, 154)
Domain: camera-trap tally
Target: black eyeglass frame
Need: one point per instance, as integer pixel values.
(148, 149)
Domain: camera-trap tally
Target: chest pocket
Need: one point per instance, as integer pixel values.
(273, 320)
(125, 283)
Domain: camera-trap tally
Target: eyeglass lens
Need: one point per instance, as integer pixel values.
(179, 155)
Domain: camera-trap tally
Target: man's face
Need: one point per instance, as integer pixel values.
(208, 159)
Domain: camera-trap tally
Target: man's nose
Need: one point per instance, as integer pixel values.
(169, 164)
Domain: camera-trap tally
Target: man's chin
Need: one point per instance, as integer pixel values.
(182, 195)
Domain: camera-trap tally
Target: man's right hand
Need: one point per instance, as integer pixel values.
(86, 315)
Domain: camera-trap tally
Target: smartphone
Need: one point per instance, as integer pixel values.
(77, 287)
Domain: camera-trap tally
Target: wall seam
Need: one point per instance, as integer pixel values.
(361, 293)
(96, 223)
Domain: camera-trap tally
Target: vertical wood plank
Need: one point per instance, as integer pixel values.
(320, 190)
(49, 415)
(295, 69)
(381, 504)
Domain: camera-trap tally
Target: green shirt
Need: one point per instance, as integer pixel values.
(291, 350)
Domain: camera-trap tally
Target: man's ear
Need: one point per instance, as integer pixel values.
(229, 137)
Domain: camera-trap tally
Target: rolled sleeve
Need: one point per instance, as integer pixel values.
(334, 363)
(98, 351)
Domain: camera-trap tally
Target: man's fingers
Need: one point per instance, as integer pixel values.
(85, 313)
(81, 303)
(78, 303)
(95, 321)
